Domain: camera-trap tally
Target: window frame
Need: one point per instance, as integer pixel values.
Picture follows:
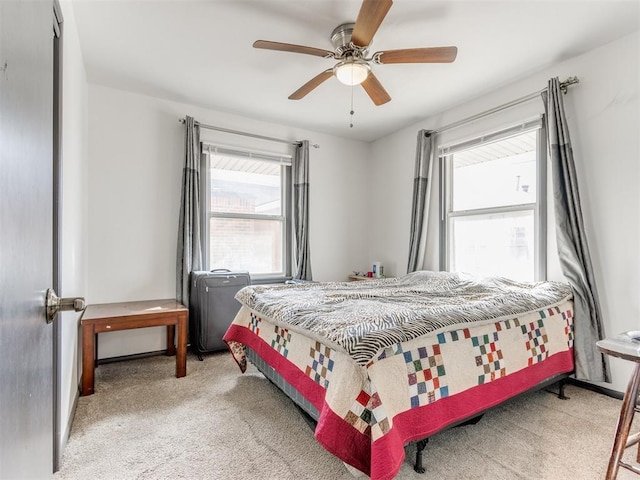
(539, 208)
(286, 196)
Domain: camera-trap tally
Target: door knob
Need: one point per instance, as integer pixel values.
(56, 304)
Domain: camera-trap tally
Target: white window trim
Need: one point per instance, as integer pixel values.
(286, 196)
(539, 208)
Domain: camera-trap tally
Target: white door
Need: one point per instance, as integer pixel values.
(26, 238)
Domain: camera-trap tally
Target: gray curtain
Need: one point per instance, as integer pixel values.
(300, 178)
(189, 256)
(572, 242)
(425, 153)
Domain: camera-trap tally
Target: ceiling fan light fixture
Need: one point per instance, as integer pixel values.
(352, 72)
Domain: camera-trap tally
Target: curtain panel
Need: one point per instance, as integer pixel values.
(573, 250)
(189, 257)
(300, 178)
(425, 152)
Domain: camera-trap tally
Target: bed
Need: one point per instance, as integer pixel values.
(382, 363)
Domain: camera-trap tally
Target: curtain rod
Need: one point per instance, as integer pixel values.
(563, 86)
(237, 132)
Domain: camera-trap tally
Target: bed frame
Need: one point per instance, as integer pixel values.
(311, 414)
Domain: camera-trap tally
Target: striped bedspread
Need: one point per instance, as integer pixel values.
(362, 318)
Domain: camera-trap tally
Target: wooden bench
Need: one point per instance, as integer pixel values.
(112, 317)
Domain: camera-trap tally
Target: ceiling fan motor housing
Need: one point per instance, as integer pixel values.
(341, 41)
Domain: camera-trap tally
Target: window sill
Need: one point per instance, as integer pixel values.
(268, 280)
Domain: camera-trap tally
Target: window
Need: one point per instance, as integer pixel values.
(493, 203)
(246, 217)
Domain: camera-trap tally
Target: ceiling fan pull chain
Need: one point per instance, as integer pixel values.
(351, 111)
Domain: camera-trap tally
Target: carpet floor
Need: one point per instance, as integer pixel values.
(216, 423)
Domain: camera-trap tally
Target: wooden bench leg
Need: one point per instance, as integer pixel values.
(88, 359)
(171, 347)
(181, 355)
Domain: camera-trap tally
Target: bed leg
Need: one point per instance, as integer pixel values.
(472, 421)
(561, 386)
(421, 444)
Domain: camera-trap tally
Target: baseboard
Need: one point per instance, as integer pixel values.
(596, 388)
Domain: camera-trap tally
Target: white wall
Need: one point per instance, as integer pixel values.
(135, 154)
(73, 221)
(602, 111)
(136, 150)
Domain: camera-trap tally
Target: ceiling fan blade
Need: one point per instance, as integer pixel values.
(375, 90)
(289, 47)
(371, 14)
(417, 55)
(311, 84)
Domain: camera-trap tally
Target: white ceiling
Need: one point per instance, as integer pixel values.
(200, 52)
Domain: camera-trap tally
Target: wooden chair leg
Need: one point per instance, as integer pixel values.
(624, 424)
(638, 411)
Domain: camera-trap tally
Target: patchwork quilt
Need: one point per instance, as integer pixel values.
(390, 361)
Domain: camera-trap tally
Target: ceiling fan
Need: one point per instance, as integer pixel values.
(351, 46)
